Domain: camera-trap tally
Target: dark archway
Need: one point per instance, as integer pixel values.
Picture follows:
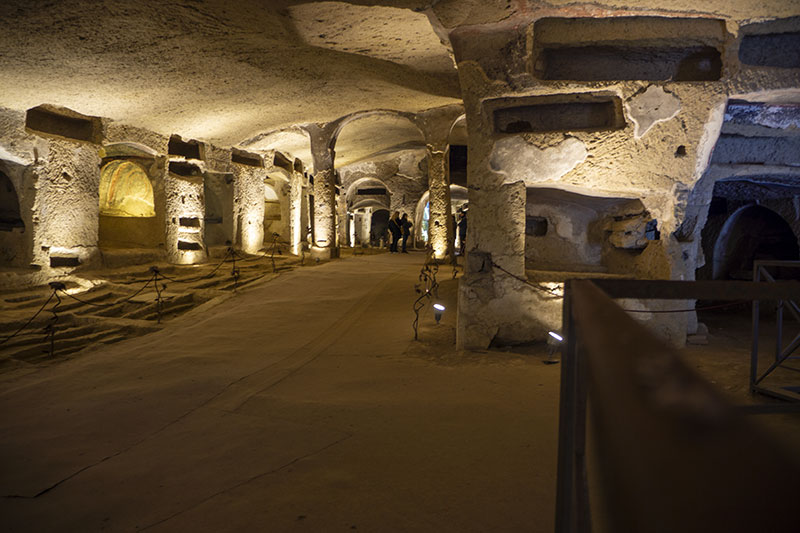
(9, 205)
(379, 227)
(752, 232)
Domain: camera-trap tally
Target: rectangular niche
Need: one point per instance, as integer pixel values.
(377, 191)
(628, 48)
(188, 149)
(189, 222)
(184, 169)
(558, 113)
(187, 245)
(57, 261)
(781, 50)
(64, 123)
(535, 226)
(246, 158)
(281, 161)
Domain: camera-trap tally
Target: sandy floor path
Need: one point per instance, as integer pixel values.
(301, 404)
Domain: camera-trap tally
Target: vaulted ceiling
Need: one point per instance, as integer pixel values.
(229, 71)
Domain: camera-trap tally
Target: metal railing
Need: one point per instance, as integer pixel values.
(670, 454)
(783, 354)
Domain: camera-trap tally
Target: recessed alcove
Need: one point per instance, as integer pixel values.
(182, 168)
(64, 123)
(189, 245)
(189, 149)
(245, 158)
(535, 226)
(189, 222)
(64, 261)
(281, 161)
(628, 48)
(218, 207)
(572, 232)
(780, 50)
(10, 217)
(733, 149)
(458, 164)
(371, 191)
(557, 113)
(127, 207)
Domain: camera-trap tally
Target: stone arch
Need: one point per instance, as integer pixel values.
(127, 206)
(752, 232)
(294, 143)
(458, 199)
(382, 130)
(356, 197)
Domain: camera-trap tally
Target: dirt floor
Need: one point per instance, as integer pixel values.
(302, 403)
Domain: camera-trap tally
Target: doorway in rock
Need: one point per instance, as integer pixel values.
(12, 227)
(127, 207)
(379, 227)
(751, 233)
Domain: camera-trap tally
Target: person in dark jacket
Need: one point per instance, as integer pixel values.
(395, 230)
(462, 232)
(405, 226)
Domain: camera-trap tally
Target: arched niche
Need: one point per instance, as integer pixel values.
(10, 217)
(751, 233)
(127, 207)
(276, 213)
(458, 201)
(379, 227)
(15, 242)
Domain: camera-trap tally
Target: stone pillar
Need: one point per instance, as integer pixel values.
(324, 238)
(440, 225)
(296, 226)
(342, 223)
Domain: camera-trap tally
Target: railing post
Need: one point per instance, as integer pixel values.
(572, 510)
(754, 349)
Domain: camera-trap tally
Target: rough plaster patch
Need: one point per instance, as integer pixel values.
(652, 106)
(521, 161)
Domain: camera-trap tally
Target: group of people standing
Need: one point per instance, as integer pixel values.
(399, 227)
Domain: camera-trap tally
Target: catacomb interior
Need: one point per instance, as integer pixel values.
(642, 140)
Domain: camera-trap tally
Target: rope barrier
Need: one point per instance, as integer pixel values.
(128, 299)
(689, 310)
(427, 275)
(31, 319)
(527, 281)
(229, 252)
(50, 329)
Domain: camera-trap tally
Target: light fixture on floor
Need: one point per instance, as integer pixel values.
(553, 343)
(438, 309)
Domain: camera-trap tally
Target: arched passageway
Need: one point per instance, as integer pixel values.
(458, 202)
(12, 238)
(379, 227)
(752, 232)
(274, 222)
(127, 207)
(9, 205)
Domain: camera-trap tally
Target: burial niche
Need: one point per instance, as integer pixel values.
(273, 217)
(127, 207)
(751, 233)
